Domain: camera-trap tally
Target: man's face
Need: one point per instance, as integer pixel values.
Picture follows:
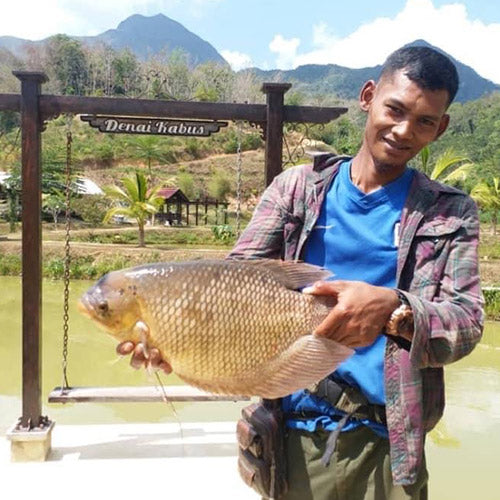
(402, 119)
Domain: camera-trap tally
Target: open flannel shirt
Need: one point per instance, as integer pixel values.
(437, 270)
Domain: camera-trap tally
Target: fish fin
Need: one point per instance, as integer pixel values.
(308, 360)
(141, 330)
(292, 274)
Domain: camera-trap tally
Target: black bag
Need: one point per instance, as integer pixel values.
(261, 454)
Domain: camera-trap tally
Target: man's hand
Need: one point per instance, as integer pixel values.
(139, 358)
(360, 314)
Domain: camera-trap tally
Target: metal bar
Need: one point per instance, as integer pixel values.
(274, 129)
(31, 125)
(140, 394)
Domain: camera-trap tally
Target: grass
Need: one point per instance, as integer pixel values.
(205, 237)
(492, 303)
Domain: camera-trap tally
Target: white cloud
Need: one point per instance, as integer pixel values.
(448, 27)
(286, 50)
(237, 60)
(36, 19)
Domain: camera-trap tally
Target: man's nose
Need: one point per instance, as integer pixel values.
(403, 129)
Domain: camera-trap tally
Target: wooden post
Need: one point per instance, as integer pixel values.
(31, 125)
(187, 213)
(196, 211)
(31, 436)
(274, 128)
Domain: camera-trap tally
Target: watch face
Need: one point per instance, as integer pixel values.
(401, 322)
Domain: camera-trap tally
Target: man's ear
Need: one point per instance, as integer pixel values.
(443, 125)
(367, 94)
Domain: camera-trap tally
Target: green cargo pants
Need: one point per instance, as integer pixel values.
(360, 468)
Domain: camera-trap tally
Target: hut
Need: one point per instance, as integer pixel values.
(175, 200)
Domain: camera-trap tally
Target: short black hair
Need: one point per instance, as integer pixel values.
(427, 67)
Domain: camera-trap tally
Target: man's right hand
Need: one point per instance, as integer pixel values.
(139, 357)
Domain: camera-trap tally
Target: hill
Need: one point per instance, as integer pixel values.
(144, 36)
(345, 82)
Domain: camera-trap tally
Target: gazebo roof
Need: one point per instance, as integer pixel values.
(172, 192)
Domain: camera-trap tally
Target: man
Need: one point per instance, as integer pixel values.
(398, 244)
(404, 253)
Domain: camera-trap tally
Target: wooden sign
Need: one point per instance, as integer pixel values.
(153, 126)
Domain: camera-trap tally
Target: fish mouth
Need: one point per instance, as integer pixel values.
(85, 307)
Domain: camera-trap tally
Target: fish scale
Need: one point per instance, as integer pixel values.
(234, 327)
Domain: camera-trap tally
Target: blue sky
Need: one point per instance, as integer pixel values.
(286, 33)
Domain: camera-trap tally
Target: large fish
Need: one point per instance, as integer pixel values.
(225, 326)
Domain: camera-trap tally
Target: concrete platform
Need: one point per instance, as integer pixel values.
(131, 461)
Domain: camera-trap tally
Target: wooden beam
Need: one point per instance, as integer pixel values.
(311, 114)
(10, 102)
(52, 105)
(139, 394)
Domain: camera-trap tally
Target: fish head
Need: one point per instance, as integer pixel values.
(113, 304)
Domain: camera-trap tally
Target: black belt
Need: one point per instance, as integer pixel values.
(348, 400)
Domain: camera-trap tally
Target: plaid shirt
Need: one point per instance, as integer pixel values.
(437, 269)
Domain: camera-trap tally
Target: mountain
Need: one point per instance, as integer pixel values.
(144, 36)
(346, 82)
(150, 36)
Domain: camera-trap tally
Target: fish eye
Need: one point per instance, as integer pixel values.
(103, 306)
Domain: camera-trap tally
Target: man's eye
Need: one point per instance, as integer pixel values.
(427, 122)
(394, 109)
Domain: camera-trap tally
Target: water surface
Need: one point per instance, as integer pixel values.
(462, 452)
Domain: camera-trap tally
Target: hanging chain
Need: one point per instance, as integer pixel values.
(238, 179)
(67, 254)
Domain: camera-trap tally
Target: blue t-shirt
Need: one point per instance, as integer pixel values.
(356, 238)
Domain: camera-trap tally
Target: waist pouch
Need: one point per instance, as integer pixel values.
(261, 455)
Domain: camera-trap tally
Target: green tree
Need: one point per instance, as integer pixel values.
(13, 191)
(68, 62)
(54, 203)
(148, 148)
(214, 82)
(126, 71)
(487, 196)
(185, 182)
(136, 201)
(219, 185)
(449, 166)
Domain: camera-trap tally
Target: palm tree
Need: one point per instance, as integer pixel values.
(449, 166)
(137, 202)
(488, 198)
(148, 148)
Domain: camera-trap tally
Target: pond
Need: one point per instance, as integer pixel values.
(462, 452)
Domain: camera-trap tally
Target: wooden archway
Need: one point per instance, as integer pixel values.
(36, 108)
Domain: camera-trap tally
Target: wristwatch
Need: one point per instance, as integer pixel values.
(400, 324)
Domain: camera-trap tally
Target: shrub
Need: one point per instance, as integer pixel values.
(492, 303)
(223, 233)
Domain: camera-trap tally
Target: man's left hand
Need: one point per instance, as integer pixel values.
(360, 313)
